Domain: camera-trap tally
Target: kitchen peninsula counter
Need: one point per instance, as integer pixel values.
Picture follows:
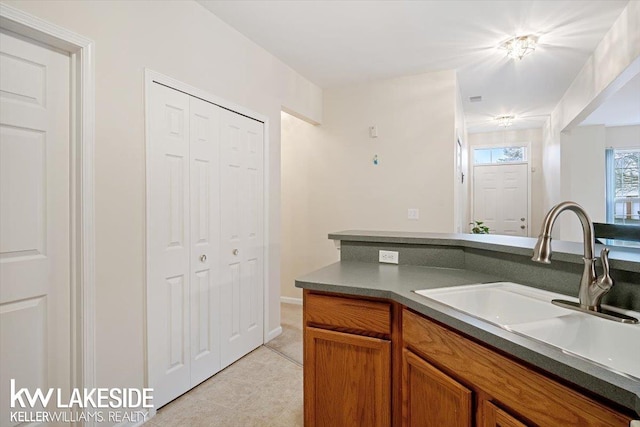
(428, 260)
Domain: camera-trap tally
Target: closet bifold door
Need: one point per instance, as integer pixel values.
(169, 244)
(205, 240)
(242, 235)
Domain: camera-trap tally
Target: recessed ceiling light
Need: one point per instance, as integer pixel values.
(519, 47)
(505, 121)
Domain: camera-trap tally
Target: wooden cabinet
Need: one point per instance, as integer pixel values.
(347, 362)
(431, 398)
(496, 417)
(529, 396)
(375, 363)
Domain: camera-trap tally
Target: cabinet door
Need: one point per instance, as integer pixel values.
(347, 379)
(430, 398)
(496, 417)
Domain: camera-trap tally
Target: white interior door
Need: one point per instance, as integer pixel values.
(34, 218)
(169, 240)
(205, 239)
(501, 198)
(242, 244)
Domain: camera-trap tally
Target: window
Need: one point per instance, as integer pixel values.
(623, 186)
(489, 156)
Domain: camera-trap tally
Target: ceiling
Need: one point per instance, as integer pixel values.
(338, 43)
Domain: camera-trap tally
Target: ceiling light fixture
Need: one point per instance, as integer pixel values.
(519, 47)
(505, 121)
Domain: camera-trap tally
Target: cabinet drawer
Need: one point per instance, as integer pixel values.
(353, 315)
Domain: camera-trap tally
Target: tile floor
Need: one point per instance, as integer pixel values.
(264, 388)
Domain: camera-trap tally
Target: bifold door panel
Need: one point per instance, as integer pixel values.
(205, 235)
(169, 245)
(242, 235)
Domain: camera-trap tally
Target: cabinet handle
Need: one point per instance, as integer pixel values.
(236, 252)
(203, 258)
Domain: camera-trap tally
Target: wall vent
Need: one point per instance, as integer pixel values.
(475, 98)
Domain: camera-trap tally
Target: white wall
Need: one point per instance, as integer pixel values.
(583, 170)
(614, 62)
(623, 137)
(520, 136)
(415, 117)
(461, 186)
(304, 248)
(582, 177)
(337, 186)
(550, 166)
(619, 49)
(185, 41)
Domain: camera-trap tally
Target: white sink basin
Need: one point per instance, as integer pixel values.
(502, 303)
(529, 312)
(616, 345)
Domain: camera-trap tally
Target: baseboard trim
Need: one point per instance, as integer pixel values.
(274, 333)
(289, 300)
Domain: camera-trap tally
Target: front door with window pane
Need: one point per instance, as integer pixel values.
(501, 198)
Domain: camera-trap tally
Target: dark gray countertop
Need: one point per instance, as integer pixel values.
(395, 282)
(627, 259)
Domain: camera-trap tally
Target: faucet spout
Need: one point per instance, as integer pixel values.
(592, 288)
(542, 251)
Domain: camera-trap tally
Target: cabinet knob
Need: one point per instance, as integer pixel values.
(522, 226)
(236, 252)
(203, 258)
(522, 219)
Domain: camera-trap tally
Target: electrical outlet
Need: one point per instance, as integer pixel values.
(389, 257)
(413, 213)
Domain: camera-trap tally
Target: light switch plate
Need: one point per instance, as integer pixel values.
(389, 257)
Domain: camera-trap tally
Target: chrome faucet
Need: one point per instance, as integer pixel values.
(592, 287)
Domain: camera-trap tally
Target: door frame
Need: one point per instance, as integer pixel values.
(472, 177)
(151, 76)
(81, 51)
